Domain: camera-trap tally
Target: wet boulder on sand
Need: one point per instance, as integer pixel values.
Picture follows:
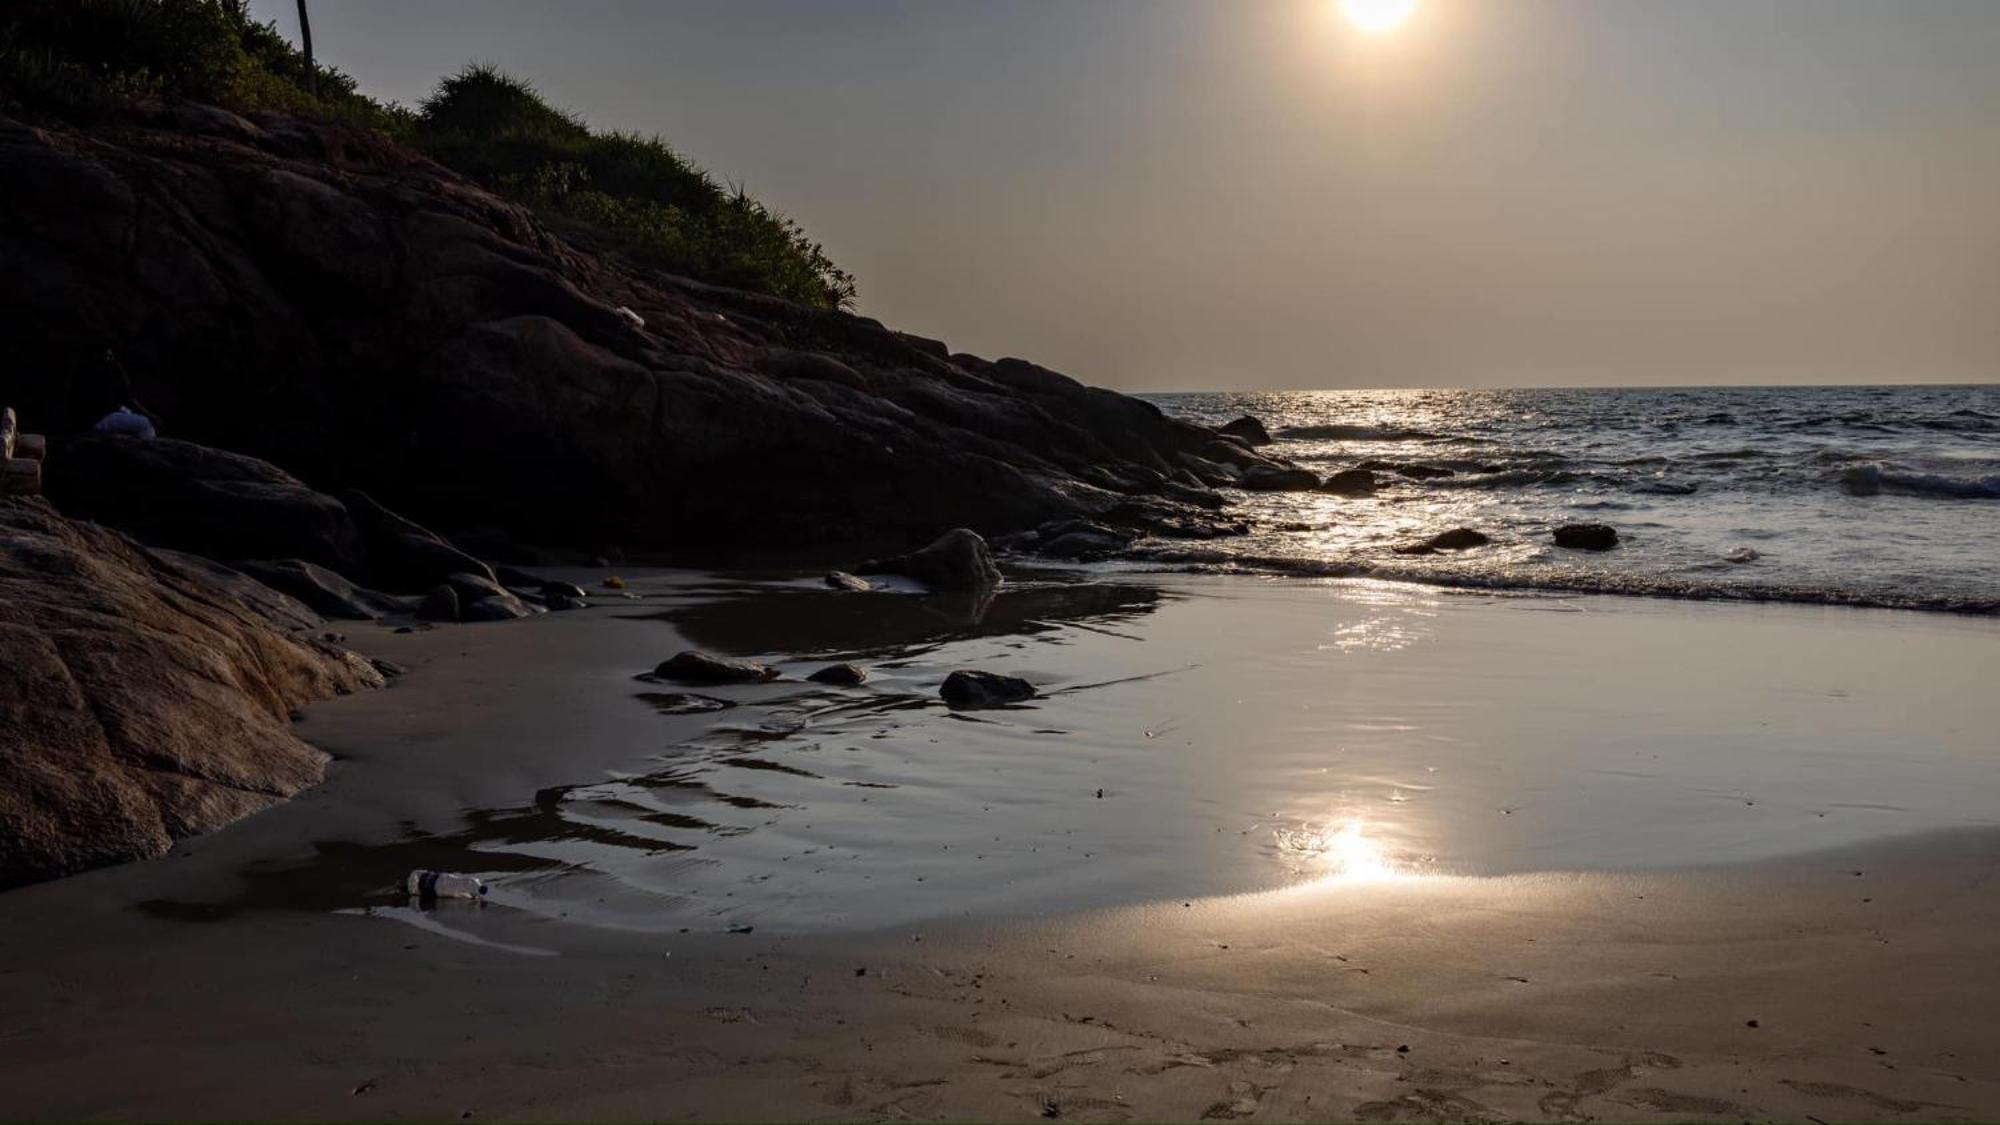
(973, 689)
(957, 560)
(1457, 539)
(701, 668)
(1586, 537)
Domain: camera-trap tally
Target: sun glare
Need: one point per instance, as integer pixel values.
(1377, 16)
(1342, 853)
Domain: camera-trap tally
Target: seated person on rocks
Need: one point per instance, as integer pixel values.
(126, 421)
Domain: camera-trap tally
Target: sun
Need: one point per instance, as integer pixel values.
(1377, 17)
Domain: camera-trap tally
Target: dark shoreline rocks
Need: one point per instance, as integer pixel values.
(362, 318)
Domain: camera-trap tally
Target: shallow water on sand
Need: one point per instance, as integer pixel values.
(1221, 735)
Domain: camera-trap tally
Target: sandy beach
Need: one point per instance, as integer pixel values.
(1493, 865)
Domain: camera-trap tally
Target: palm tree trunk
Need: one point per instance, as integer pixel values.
(306, 41)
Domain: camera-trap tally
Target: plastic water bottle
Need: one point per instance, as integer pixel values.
(443, 884)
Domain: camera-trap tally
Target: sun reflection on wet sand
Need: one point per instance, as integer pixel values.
(1343, 853)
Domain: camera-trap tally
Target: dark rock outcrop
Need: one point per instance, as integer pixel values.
(1457, 539)
(957, 560)
(973, 689)
(1351, 482)
(192, 498)
(140, 701)
(1586, 537)
(324, 299)
(323, 591)
(1247, 429)
(701, 668)
(441, 604)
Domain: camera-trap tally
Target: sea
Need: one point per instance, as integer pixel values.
(1874, 496)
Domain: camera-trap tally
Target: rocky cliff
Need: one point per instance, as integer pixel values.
(361, 317)
(144, 696)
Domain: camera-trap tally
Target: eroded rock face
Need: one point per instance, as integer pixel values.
(956, 561)
(341, 307)
(140, 701)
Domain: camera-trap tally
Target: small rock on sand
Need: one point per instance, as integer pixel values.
(956, 560)
(701, 668)
(984, 689)
(845, 675)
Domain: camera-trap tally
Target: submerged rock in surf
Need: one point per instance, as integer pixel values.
(1351, 482)
(974, 689)
(1457, 539)
(1586, 537)
(1265, 478)
(1247, 429)
(1743, 555)
(957, 560)
(701, 668)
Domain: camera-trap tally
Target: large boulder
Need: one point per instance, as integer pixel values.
(140, 702)
(955, 561)
(189, 497)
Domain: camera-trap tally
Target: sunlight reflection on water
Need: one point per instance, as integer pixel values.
(1342, 852)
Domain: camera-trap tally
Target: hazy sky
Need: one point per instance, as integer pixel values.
(1155, 194)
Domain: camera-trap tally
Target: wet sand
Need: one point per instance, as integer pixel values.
(1548, 962)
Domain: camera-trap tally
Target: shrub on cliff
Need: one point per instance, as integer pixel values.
(85, 57)
(669, 212)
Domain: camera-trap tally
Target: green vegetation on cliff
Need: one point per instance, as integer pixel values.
(84, 59)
